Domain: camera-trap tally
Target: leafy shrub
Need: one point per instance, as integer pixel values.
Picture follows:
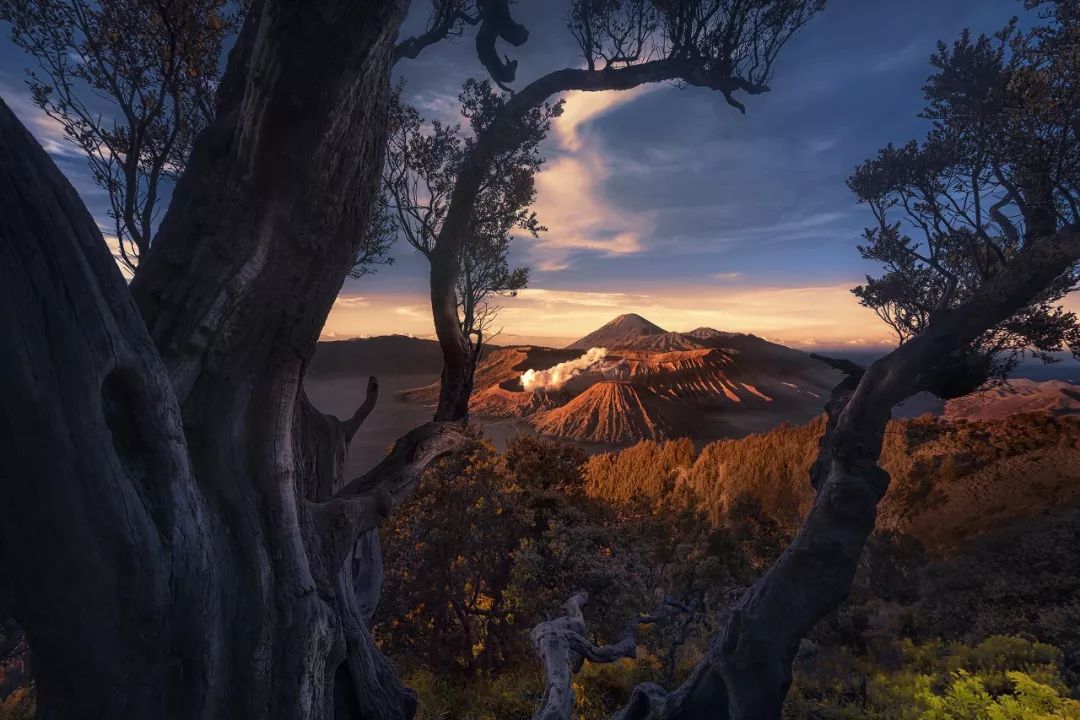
(1001, 678)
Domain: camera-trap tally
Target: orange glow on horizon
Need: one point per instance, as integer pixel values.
(816, 316)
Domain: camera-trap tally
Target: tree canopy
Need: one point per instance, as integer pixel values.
(131, 83)
(422, 167)
(999, 171)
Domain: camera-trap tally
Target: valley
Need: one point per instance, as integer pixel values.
(628, 381)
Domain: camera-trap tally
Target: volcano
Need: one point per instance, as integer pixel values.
(652, 383)
(633, 332)
(616, 412)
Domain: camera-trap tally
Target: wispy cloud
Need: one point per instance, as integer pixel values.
(582, 107)
(577, 298)
(570, 197)
(45, 129)
(812, 225)
(816, 147)
(916, 50)
(442, 106)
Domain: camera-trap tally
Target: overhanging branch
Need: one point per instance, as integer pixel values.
(369, 499)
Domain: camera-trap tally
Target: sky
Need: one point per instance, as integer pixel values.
(665, 201)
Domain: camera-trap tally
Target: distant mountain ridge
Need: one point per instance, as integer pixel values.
(652, 384)
(655, 384)
(1054, 397)
(382, 355)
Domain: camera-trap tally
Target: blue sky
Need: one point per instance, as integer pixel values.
(667, 201)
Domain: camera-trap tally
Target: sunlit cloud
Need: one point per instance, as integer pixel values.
(418, 311)
(581, 107)
(113, 243)
(570, 197)
(47, 131)
(578, 299)
(353, 301)
(363, 315)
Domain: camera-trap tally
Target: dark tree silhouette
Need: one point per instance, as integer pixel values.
(420, 172)
(170, 500)
(131, 83)
(999, 170)
(177, 538)
(448, 19)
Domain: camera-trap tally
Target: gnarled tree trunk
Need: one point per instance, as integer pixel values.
(746, 671)
(175, 530)
(107, 539)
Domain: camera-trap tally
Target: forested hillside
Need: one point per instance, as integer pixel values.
(965, 590)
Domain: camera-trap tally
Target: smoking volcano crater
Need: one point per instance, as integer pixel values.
(631, 380)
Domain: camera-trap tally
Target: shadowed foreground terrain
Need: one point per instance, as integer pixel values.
(967, 590)
(968, 586)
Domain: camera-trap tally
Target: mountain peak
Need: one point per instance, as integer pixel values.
(631, 331)
(635, 321)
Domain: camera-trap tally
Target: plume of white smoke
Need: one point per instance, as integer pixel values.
(555, 377)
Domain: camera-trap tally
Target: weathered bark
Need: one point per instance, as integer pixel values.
(323, 443)
(457, 375)
(159, 516)
(322, 450)
(259, 236)
(105, 534)
(747, 670)
(562, 647)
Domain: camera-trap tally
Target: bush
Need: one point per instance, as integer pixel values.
(1001, 678)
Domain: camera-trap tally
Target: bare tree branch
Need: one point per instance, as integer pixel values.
(447, 20)
(562, 647)
(366, 501)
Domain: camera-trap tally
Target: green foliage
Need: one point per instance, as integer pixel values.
(997, 172)
(449, 558)
(1020, 581)
(949, 480)
(489, 544)
(649, 468)
(510, 694)
(601, 690)
(20, 704)
(1001, 678)
(18, 693)
(522, 529)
